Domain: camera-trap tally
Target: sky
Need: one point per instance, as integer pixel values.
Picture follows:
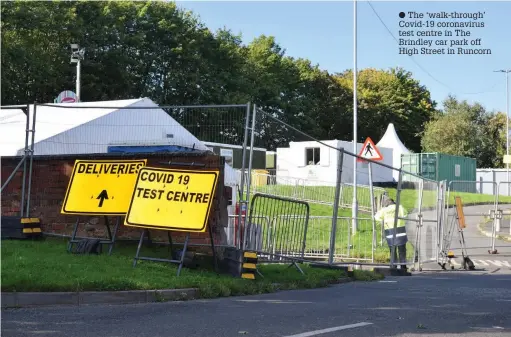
(322, 31)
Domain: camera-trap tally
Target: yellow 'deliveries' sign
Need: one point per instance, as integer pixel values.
(101, 187)
(172, 199)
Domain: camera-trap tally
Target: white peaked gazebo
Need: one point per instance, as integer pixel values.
(391, 140)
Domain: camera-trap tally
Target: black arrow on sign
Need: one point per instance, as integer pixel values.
(102, 196)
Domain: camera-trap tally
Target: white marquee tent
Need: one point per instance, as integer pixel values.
(391, 140)
(73, 129)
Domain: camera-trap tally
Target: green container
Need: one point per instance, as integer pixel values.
(438, 167)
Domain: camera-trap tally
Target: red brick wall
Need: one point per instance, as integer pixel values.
(50, 177)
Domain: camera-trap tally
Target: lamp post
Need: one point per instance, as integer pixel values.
(354, 210)
(77, 55)
(507, 71)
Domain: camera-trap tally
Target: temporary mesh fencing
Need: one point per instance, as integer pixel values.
(116, 127)
(321, 174)
(309, 171)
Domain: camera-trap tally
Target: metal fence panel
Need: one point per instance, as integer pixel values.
(475, 215)
(284, 236)
(313, 191)
(346, 228)
(17, 125)
(502, 223)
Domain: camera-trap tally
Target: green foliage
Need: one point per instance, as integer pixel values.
(391, 96)
(157, 50)
(468, 130)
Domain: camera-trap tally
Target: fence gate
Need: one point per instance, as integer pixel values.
(422, 221)
(478, 218)
(276, 228)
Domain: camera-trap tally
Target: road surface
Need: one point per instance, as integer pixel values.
(449, 303)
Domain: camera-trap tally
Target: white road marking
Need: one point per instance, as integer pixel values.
(500, 263)
(276, 301)
(477, 262)
(481, 262)
(387, 281)
(337, 328)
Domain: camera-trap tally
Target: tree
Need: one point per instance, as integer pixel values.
(156, 50)
(293, 91)
(494, 142)
(35, 50)
(468, 130)
(384, 97)
(133, 49)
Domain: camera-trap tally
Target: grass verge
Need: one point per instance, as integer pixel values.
(29, 266)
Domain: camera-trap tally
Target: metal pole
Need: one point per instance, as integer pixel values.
(507, 128)
(78, 75)
(31, 161)
(371, 191)
(396, 217)
(23, 183)
(6, 182)
(249, 176)
(340, 156)
(354, 211)
(242, 180)
(507, 124)
(251, 154)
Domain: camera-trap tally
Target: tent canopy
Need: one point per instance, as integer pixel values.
(89, 127)
(391, 140)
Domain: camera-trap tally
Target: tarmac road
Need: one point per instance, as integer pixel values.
(448, 303)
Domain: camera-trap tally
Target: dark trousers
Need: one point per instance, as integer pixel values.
(401, 251)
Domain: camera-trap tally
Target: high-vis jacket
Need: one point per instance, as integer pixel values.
(386, 214)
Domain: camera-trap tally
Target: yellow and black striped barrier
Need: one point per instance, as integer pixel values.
(31, 226)
(249, 266)
(20, 228)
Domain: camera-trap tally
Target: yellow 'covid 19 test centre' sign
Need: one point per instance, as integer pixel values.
(101, 187)
(172, 199)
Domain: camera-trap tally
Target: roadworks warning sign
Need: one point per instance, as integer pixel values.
(172, 199)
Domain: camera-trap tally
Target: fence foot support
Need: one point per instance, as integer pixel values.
(297, 267)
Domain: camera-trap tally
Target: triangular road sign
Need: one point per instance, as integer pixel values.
(369, 151)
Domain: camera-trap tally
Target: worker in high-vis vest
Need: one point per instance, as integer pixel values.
(387, 214)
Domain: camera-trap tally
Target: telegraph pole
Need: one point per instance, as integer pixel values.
(507, 71)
